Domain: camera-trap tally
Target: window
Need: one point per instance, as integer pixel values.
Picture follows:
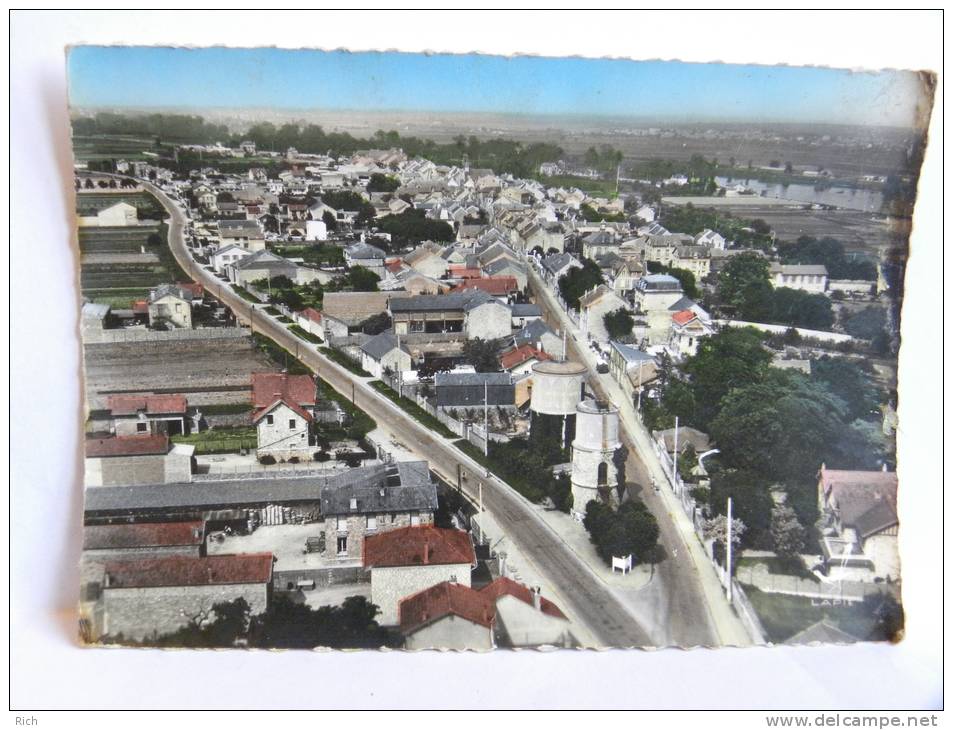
(342, 524)
(603, 475)
(142, 427)
(292, 423)
(270, 420)
(342, 545)
(371, 522)
(414, 519)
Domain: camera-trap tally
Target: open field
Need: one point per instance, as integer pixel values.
(207, 371)
(108, 146)
(89, 203)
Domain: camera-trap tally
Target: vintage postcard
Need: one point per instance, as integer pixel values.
(471, 352)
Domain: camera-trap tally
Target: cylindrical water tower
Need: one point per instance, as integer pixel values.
(597, 440)
(557, 390)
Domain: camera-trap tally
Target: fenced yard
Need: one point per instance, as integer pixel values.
(221, 440)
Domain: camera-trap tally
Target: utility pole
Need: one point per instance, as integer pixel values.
(675, 458)
(728, 553)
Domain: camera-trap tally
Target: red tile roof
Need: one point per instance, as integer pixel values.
(493, 285)
(268, 387)
(145, 534)
(144, 445)
(140, 306)
(422, 545)
(313, 314)
(444, 599)
(683, 317)
(519, 355)
(459, 271)
(258, 415)
(507, 587)
(395, 267)
(478, 606)
(188, 571)
(130, 405)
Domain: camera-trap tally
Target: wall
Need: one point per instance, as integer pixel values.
(129, 335)
(390, 585)
(520, 624)
(488, 321)
(140, 612)
(279, 439)
(116, 471)
(357, 528)
(781, 329)
(451, 632)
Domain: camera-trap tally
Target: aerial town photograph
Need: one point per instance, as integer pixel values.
(603, 371)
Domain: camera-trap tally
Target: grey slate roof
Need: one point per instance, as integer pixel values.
(683, 303)
(502, 265)
(659, 282)
(379, 345)
(526, 310)
(461, 301)
(533, 331)
(405, 488)
(554, 263)
(363, 251)
(166, 289)
(210, 494)
(451, 379)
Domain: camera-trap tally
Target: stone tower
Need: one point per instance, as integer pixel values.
(597, 440)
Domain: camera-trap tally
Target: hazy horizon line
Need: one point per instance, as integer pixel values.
(528, 115)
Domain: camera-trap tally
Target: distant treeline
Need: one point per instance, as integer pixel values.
(500, 155)
(166, 127)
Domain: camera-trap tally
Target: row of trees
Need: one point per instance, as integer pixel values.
(412, 226)
(745, 232)
(830, 253)
(178, 127)
(629, 530)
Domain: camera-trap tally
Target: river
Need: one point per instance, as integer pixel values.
(841, 197)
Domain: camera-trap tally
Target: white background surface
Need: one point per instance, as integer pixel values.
(50, 671)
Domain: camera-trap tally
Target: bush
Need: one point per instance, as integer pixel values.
(321, 456)
(267, 460)
(294, 460)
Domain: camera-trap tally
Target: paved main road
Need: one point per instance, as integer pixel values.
(684, 604)
(607, 619)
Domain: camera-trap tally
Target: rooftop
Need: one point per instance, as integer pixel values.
(188, 571)
(421, 545)
(131, 405)
(143, 535)
(136, 445)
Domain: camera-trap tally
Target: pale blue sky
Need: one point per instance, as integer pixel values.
(301, 79)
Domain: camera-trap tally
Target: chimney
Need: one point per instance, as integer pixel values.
(426, 553)
(537, 599)
(501, 558)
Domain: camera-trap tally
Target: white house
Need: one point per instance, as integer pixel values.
(811, 278)
(227, 255)
(284, 411)
(117, 214)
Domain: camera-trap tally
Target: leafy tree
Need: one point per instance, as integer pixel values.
(282, 282)
(830, 253)
(729, 359)
(362, 279)
(631, 529)
(801, 309)
(376, 324)
(351, 201)
(154, 239)
(744, 284)
(750, 502)
(412, 226)
(867, 323)
(380, 183)
(787, 533)
(619, 323)
(330, 222)
(482, 355)
(577, 281)
(848, 380)
(716, 529)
